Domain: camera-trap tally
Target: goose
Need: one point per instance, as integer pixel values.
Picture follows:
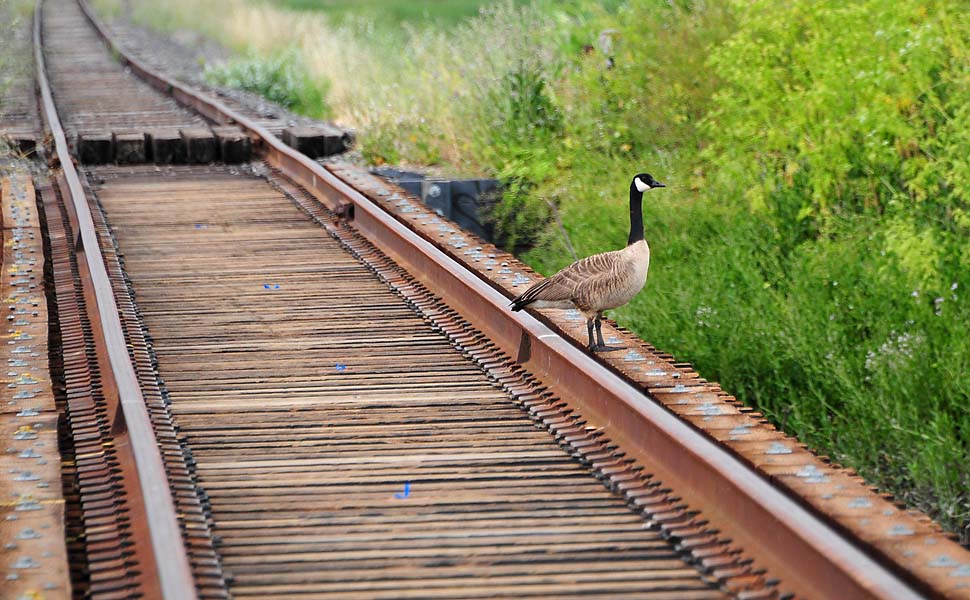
(601, 281)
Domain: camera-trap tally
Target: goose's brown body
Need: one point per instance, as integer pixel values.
(602, 281)
(593, 284)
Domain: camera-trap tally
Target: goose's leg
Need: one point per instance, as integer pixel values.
(589, 331)
(600, 344)
(599, 330)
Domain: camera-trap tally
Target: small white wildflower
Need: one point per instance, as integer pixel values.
(704, 314)
(897, 350)
(870, 360)
(953, 286)
(915, 294)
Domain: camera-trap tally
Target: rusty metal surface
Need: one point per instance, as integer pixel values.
(92, 92)
(910, 544)
(267, 114)
(814, 559)
(154, 512)
(107, 555)
(102, 551)
(336, 194)
(193, 515)
(905, 539)
(32, 532)
(310, 394)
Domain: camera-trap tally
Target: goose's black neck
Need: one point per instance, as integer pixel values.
(636, 215)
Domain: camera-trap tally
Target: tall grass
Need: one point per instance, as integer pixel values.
(15, 58)
(811, 252)
(811, 249)
(392, 13)
(420, 101)
(280, 78)
(15, 55)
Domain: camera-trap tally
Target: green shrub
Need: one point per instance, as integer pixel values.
(522, 132)
(845, 126)
(16, 60)
(280, 78)
(834, 108)
(803, 256)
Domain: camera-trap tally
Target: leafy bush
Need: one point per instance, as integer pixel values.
(15, 55)
(815, 269)
(12, 36)
(281, 78)
(523, 132)
(832, 108)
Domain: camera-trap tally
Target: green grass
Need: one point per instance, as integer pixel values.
(15, 49)
(280, 78)
(812, 250)
(438, 13)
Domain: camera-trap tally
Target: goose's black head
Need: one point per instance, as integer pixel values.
(643, 182)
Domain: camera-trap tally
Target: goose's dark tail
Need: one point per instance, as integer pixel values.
(530, 295)
(519, 303)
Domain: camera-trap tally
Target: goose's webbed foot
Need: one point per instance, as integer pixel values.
(599, 345)
(605, 348)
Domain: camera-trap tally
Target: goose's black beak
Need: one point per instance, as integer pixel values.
(657, 184)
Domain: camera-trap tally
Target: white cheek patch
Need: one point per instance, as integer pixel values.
(641, 187)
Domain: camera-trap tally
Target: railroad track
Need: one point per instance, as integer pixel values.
(277, 379)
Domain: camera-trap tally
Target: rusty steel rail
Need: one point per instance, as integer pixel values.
(777, 529)
(132, 425)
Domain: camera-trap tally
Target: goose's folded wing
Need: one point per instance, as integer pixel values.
(548, 289)
(586, 270)
(564, 284)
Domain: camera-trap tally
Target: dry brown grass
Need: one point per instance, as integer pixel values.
(412, 95)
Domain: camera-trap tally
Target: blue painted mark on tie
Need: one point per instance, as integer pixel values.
(340, 367)
(405, 493)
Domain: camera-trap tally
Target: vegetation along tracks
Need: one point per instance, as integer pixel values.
(303, 381)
